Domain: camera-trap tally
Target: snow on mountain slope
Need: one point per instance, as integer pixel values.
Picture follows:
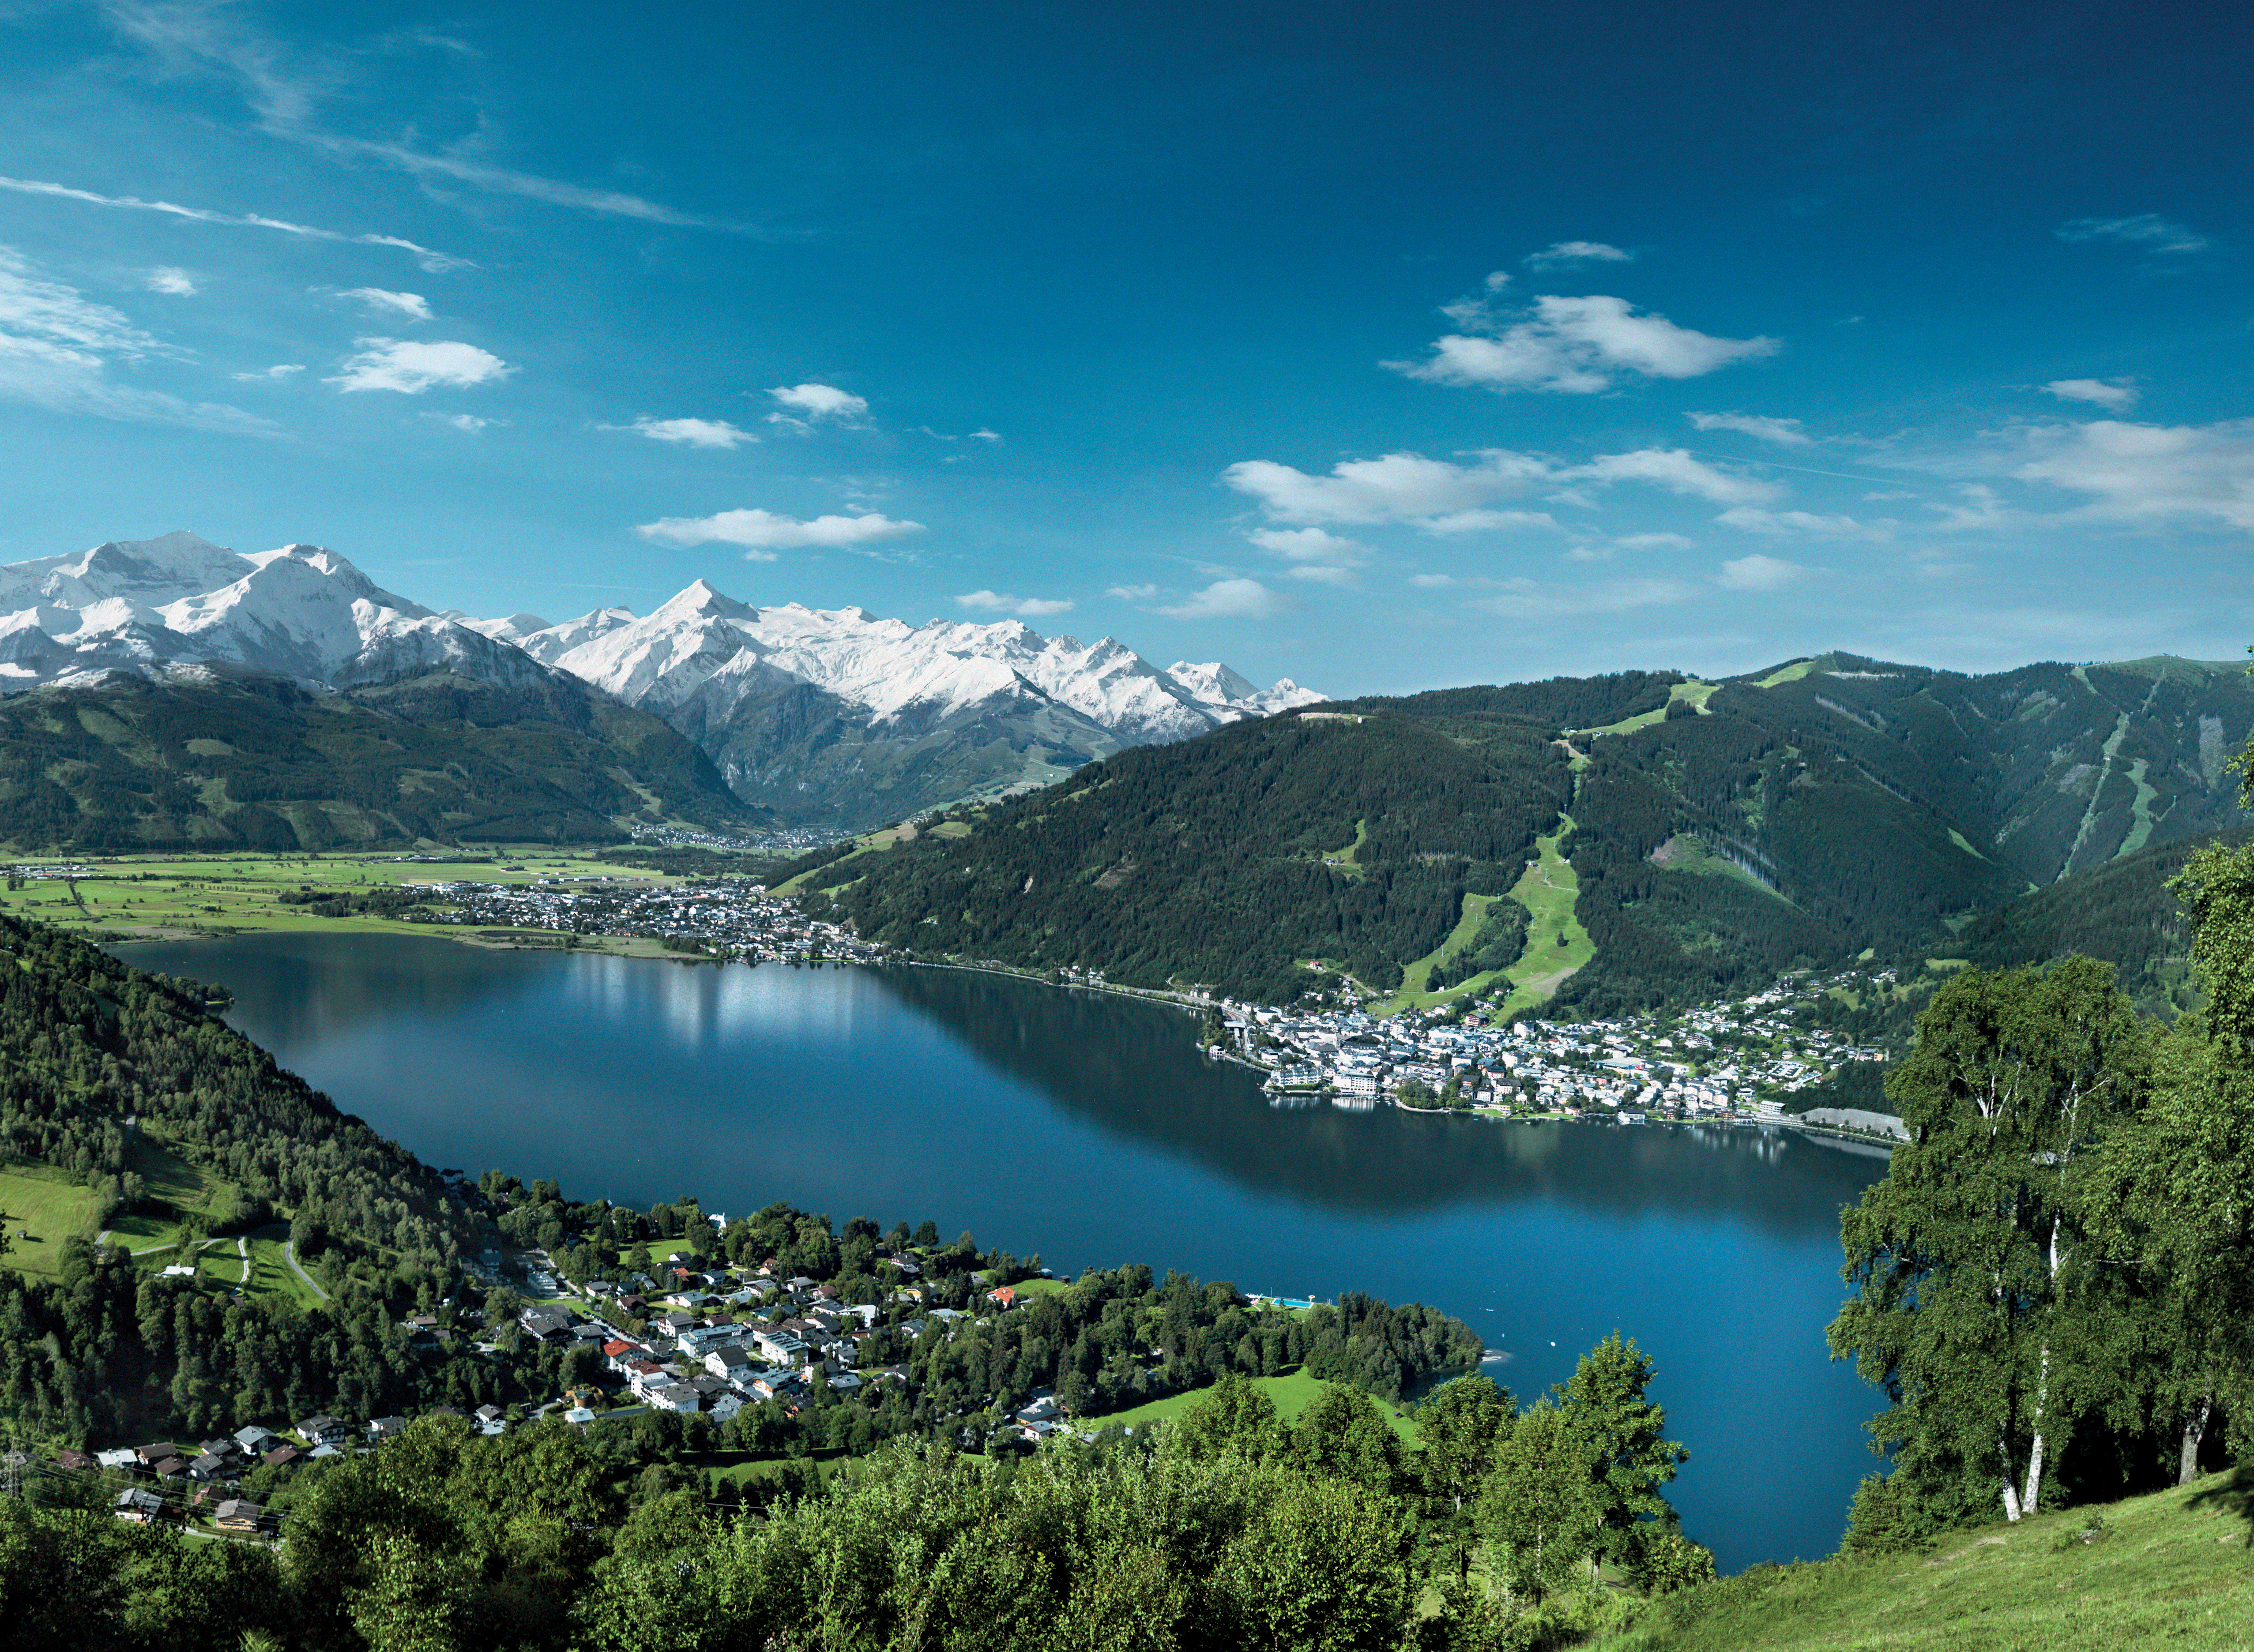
(706, 647)
(300, 612)
(1215, 685)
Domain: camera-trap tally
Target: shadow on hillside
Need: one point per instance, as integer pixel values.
(2230, 1493)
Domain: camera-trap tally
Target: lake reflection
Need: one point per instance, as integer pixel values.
(1089, 1129)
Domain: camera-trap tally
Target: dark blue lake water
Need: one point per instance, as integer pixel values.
(1089, 1129)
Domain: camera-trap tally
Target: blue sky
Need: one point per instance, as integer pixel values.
(1381, 346)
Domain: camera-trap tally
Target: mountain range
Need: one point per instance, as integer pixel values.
(1718, 831)
(821, 719)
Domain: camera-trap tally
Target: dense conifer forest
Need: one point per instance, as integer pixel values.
(1788, 820)
(259, 763)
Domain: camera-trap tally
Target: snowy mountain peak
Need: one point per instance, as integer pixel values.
(702, 655)
(151, 605)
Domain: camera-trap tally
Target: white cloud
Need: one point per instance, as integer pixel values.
(1440, 497)
(1754, 520)
(1576, 252)
(1236, 599)
(413, 305)
(1344, 577)
(1655, 541)
(762, 533)
(2148, 230)
(984, 435)
(2119, 395)
(1132, 593)
(54, 345)
(1024, 607)
(469, 422)
(1483, 522)
(1783, 432)
(1574, 346)
(411, 367)
(2147, 475)
(430, 259)
(1678, 472)
(1525, 600)
(1759, 573)
(1310, 544)
(281, 370)
(815, 402)
(1397, 487)
(172, 279)
(689, 432)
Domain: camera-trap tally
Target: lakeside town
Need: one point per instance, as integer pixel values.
(1725, 1062)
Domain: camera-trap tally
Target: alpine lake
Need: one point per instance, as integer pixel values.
(1087, 1127)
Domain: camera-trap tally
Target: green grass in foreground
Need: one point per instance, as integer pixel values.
(1292, 1394)
(48, 1206)
(2176, 1567)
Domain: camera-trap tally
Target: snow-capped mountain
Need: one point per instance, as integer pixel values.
(703, 645)
(839, 711)
(301, 611)
(828, 716)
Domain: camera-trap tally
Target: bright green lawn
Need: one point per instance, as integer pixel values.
(1292, 1394)
(270, 1271)
(50, 1208)
(2174, 1569)
(175, 1185)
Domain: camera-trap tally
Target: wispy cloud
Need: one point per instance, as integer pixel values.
(1440, 497)
(1131, 594)
(811, 404)
(2147, 475)
(413, 305)
(1759, 573)
(689, 432)
(1576, 252)
(1527, 599)
(285, 87)
(169, 278)
(762, 532)
(55, 344)
(1782, 432)
(1023, 607)
(1655, 541)
(2148, 230)
(468, 422)
(411, 365)
(1754, 520)
(431, 259)
(282, 370)
(2116, 394)
(1310, 545)
(1572, 345)
(1234, 599)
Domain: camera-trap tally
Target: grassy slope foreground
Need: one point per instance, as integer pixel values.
(261, 763)
(2174, 1568)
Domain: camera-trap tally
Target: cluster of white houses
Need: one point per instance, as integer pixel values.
(1629, 1070)
(728, 915)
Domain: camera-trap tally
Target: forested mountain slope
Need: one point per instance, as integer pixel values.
(1234, 858)
(1721, 832)
(227, 762)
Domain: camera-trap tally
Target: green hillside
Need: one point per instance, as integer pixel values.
(1718, 833)
(1235, 858)
(262, 764)
(2169, 1568)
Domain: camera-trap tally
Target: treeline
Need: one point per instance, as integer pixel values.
(1227, 1529)
(264, 765)
(2054, 1285)
(1205, 861)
